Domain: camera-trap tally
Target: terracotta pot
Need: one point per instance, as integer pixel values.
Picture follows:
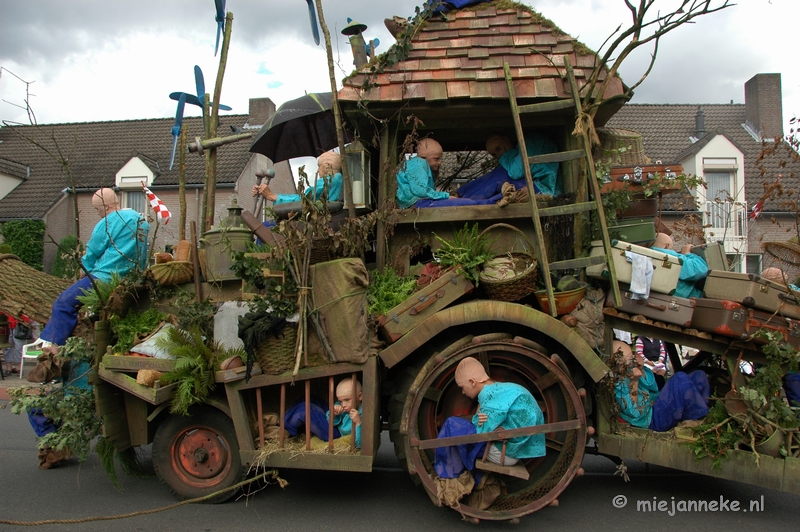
(565, 301)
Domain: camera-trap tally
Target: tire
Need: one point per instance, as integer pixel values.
(198, 455)
(426, 394)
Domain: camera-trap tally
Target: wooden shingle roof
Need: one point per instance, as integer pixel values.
(96, 152)
(462, 56)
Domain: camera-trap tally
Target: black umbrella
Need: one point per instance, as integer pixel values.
(304, 127)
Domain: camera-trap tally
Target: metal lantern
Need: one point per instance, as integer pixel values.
(358, 167)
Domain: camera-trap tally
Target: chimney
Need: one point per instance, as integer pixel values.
(261, 109)
(763, 105)
(699, 123)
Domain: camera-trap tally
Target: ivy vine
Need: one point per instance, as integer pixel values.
(26, 238)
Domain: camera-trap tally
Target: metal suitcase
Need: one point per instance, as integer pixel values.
(423, 304)
(666, 268)
(660, 307)
(733, 319)
(640, 231)
(752, 291)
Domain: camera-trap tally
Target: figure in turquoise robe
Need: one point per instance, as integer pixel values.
(334, 185)
(638, 413)
(415, 182)
(511, 406)
(545, 175)
(344, 424)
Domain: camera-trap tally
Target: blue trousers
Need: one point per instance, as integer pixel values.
(490, 186)
(65, 312)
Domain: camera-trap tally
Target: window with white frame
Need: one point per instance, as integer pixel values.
(136, 200)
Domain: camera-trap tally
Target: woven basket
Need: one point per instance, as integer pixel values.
(522, 283)
(276, 354)
(786, 252)
(171, 273)
(614, 139)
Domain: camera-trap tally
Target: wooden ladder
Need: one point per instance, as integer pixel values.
(595, 205)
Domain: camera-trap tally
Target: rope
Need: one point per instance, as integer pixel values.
(273, 473)
(585, 125)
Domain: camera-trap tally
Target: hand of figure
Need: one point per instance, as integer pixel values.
(355, 417)
(482, 418)
(636, 373)
(687, 248)
(337, 409)
(661, 372)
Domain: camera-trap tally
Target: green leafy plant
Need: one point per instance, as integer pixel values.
(66, 265)
(134, 323)
(387, 290)
(193, 313)
(467, 251)
(718, 434)
(70, 406)
(94, 300)
(195, 362)
(26, 238)
(764, 389)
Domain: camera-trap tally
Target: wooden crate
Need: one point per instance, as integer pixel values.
(154, 396)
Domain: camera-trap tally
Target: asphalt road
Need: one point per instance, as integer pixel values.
(384, 500)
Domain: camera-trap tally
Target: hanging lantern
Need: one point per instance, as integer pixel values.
(358, 167)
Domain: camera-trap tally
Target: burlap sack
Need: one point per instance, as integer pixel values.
(339, 296)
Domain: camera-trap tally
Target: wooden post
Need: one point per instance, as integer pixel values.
(354, 393)
(182, 182)
(283, 414)
(330, 414)
(337, 113)
(260, 412)
(198, 288)
(308, 415)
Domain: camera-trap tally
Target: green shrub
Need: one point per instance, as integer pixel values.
(26, 238)
(66, 264)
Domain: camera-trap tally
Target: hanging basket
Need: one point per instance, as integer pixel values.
(172, 273)
(509, 276)
(276, 354)
(786, 252)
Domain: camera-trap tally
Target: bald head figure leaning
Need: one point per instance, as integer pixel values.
(117, 246)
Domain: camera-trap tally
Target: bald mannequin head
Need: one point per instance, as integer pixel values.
(329, 163)
(471, 377)
(432, 152)
(663, 241)
(774, 274)
(497, 145)
(105, 201)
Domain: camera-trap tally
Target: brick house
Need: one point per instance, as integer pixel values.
(35, 185)
(721, 143)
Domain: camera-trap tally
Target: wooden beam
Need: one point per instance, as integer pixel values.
(546, 107)
(557, 157)
(496, 435)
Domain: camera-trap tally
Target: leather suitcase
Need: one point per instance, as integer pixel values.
(666, 268)
(660, 307)
(733, 319)
(423, 304)
(641, 231)
(636, 176)
(752, 291)
(714, 255)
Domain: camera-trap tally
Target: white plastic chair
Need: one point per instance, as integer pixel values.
(36, 348)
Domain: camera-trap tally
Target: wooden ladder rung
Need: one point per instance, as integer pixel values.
(582, 262)
(545, 107)
(518, 470)
(557, 157)
(572, 208)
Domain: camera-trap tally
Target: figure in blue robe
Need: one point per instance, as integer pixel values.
(510, 406)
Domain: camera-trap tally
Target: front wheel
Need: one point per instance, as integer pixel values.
(198, 455)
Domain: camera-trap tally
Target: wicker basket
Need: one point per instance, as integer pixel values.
(276, 354)
(614, 139)
(171, 273)
(786, 252)
(522, 283)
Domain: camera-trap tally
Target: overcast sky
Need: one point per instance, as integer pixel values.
(93, 60)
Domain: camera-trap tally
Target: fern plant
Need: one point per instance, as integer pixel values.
(468, 250)
(195, 363)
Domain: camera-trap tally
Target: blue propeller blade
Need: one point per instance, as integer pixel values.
(312, 16)
(176, 129)
(220, 18)
(193, 100)
(375, 43)
(200, 84)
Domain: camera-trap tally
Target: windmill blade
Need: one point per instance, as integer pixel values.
(176, 128)
(372, 45)
(200, 84)
(312, 16)
(220, 18)
(192, 99)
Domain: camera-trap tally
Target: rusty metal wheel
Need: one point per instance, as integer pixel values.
(198, 455)
(433, 396)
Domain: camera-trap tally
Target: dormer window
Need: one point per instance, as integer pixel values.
(129, 180)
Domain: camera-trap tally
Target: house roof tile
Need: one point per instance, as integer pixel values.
(97, 150)
(666, 130)
(482, 40)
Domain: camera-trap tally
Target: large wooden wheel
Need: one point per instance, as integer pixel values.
(433, 395)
